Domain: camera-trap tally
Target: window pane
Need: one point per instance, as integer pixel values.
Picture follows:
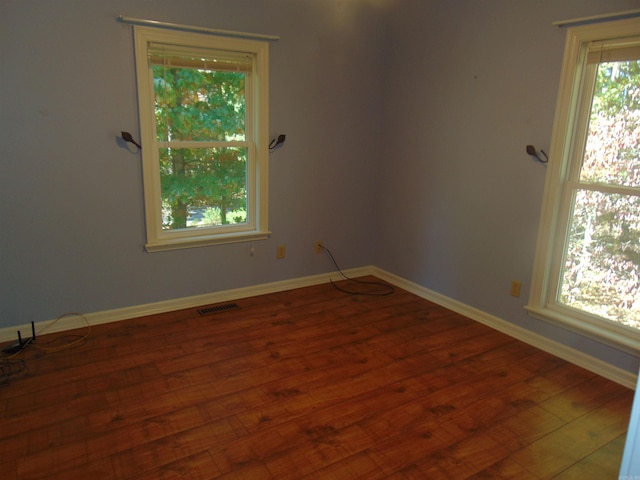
(612, 153)
(198, 104)
(203, 187)
(603, 257)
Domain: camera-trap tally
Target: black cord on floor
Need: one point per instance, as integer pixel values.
(387, 289)
(9, 366)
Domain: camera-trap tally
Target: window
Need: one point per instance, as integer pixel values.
(587, 269)
(203, 122)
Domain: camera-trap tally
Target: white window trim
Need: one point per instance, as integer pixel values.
(257, 167)
(549, 248)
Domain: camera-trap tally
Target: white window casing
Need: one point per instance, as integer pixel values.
(607, 41)
(147, 40)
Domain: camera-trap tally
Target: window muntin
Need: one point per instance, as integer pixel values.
(588, 256)
(203, 124)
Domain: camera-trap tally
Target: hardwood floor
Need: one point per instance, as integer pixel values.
(308, 384)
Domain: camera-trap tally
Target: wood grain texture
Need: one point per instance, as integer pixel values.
(308, 384)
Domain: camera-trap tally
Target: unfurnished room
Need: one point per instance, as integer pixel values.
(319, 239)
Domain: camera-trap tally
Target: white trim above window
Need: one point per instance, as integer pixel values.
(191, 28)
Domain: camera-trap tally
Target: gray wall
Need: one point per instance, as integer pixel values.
(71, 200)
(406, 126)
(471, 83)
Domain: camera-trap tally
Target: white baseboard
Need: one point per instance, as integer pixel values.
(569, 354)
(72, 322)
(597, 366)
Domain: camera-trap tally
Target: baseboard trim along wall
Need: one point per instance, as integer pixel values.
(569, 354)
(559, 350)
(107, 316)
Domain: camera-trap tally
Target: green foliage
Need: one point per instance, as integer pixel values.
(617, 88)
(200, 105)
(212, 216)
(602, 267)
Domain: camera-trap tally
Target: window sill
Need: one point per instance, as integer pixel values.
(605, 331)
(204, 241)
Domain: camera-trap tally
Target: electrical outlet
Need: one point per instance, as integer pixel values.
(319, 246)
(515, 288)
(281, 251)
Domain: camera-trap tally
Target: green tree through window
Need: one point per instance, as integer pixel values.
(203, 117)
(587, 268)
(603, 253)
(197, 104)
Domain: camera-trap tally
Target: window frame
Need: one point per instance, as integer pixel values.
(569, 134)
(257, 107)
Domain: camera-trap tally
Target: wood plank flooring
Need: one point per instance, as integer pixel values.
(308, 384)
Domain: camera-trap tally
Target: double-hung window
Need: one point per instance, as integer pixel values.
(203, 122)
(587, 270)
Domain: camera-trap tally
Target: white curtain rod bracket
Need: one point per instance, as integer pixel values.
(189, 28)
